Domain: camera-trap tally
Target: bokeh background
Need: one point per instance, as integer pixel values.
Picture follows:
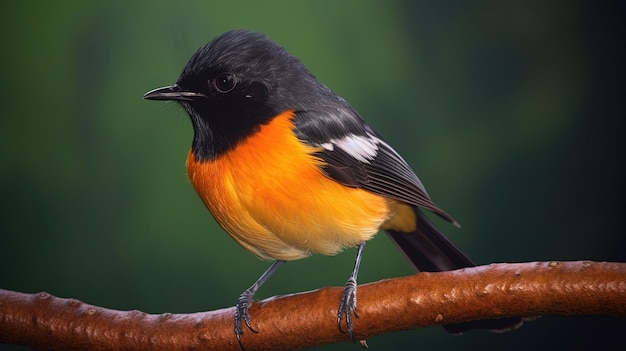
(512, 114)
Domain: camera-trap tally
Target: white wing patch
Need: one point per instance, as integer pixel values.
(363, 148)
(328, 146)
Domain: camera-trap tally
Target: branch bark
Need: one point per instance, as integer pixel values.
(302, 320)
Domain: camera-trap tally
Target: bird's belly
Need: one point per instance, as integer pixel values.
(278, 204)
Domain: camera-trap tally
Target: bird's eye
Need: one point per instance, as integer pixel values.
(225, 82)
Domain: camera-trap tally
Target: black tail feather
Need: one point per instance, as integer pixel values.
(429, 250)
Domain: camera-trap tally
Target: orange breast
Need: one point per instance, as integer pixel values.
(270, 195)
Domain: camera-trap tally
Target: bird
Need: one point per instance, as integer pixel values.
(290, 169)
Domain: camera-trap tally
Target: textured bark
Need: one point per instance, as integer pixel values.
(302, 320)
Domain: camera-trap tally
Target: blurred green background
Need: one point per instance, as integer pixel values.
(511, 113)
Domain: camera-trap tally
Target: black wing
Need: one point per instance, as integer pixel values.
(356, 156)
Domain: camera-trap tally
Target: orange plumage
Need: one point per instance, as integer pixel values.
(271, 196)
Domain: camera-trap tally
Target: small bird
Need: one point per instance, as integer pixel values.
(289, 169)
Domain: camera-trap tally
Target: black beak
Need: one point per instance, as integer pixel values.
(173, 92)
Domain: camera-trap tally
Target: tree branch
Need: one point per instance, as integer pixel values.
(302, 320)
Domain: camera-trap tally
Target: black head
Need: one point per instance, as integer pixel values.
(236, 83)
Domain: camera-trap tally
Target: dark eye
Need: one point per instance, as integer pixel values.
(225, 82)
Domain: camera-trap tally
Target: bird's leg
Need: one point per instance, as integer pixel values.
(348, 299)
(246, 298)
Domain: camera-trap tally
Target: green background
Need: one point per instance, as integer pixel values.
(511, 113)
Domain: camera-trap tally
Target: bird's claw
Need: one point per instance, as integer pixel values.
(347, 307)
(242, 315)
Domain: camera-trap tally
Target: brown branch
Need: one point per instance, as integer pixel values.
(297, 321)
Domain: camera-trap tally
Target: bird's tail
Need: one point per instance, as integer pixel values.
(428, 250)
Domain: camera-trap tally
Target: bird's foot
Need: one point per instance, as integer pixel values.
(347, 307)
(242, 315)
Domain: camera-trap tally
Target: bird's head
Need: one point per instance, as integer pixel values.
(236, 83)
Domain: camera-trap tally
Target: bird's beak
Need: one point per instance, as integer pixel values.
(172, 92)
